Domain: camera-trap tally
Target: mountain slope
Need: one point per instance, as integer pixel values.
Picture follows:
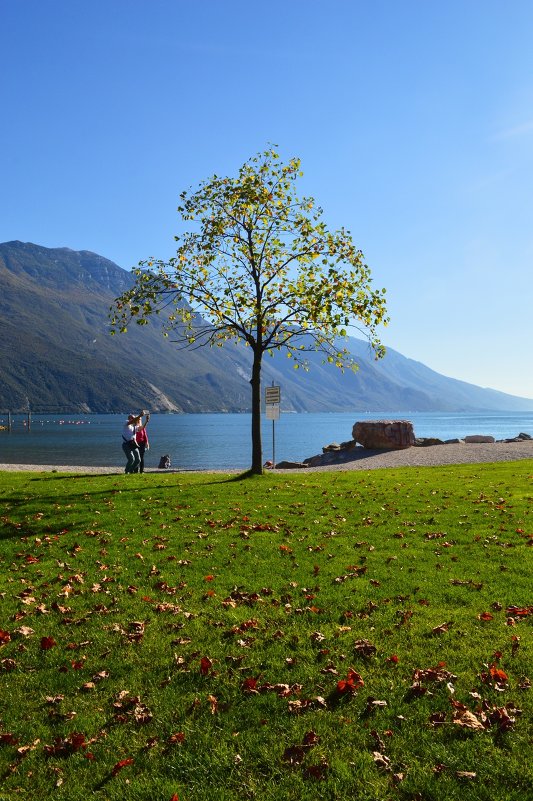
(56, 352)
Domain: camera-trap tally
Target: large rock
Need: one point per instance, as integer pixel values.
(426, 442)
(384, 434)
(481, 438)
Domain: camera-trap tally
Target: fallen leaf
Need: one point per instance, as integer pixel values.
(468, 720)
(351, 683)
(294, 754)
(381, 761)
(122, 764)
(5, 637)
(205, 665)
(177, 738)
(442, 628)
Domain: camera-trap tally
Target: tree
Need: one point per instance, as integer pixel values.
(263, 269)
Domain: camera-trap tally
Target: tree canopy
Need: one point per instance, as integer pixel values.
(261, 267)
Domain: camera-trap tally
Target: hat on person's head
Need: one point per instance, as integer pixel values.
(131, 417)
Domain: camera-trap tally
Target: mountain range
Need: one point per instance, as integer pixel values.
(57, 354)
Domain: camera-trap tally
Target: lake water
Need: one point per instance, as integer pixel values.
(222, 441)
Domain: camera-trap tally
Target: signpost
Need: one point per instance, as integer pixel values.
(272, 409)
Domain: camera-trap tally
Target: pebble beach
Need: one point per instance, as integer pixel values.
(357, 459)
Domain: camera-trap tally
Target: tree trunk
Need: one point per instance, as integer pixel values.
(257, 447)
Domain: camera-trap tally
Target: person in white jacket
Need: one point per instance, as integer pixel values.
(129, 442)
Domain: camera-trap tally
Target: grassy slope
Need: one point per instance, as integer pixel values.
(184, 635)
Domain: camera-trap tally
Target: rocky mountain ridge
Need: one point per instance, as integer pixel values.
(56, 352)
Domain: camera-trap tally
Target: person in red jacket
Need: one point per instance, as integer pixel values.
(141, 437)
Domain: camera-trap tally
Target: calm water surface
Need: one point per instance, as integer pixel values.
(222, 441)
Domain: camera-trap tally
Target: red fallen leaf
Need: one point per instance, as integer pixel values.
(69, 745)
(175, 797)
(77, 741)
(485, 616)
(122, 764)
(47, 643)
(205, 665)
(497, 674)
(209, 578)
(5, 636)
(285, 549)
(249, 685)
(351, 683)
(178, 737)
(518, 611)
(7, 738)
(393, 659)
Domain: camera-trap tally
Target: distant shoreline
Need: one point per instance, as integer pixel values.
(357, 459)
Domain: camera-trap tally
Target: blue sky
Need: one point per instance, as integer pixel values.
(413, 120)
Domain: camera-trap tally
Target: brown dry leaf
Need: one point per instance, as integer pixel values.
(468, 720)
(442, 628)
(294, 754)
(24, 631)
(381, 761)
(364, 647)
(317, 772)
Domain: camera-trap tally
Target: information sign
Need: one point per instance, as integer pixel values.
(272, 411)
(272, 395)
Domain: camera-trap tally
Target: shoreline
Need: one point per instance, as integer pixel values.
(357, 459)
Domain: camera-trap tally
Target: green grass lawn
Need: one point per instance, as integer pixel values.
(360, 635)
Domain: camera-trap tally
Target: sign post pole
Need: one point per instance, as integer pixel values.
(273, 401)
